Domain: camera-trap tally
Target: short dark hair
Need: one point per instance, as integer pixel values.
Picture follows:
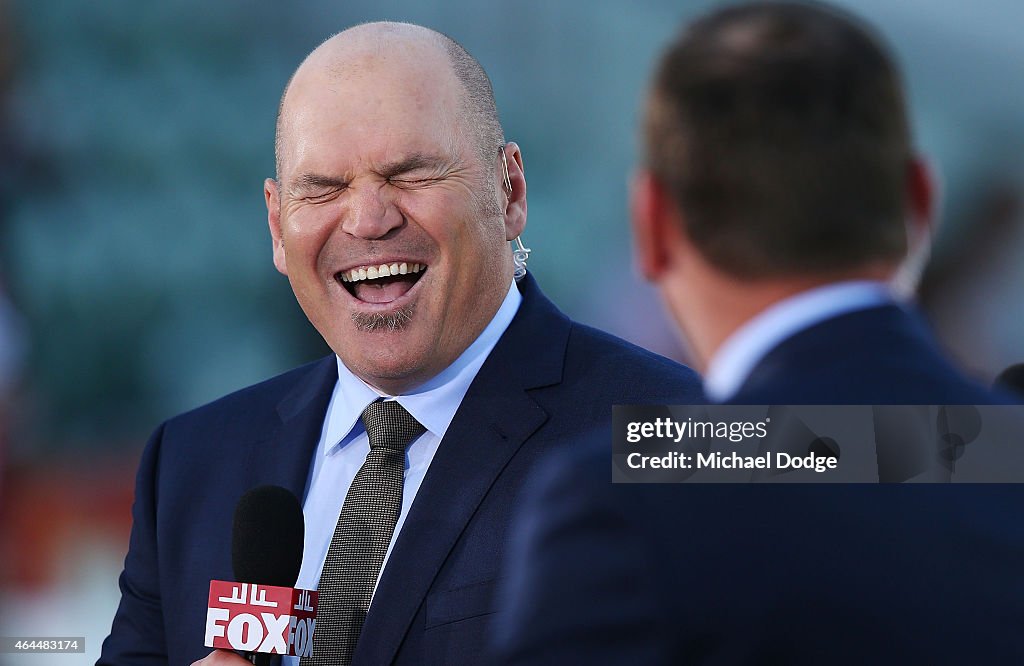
(780, 131)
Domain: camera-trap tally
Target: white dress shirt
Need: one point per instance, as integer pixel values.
(344, 444)
(744, 349)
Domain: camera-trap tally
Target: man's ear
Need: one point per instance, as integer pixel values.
(515, 203)
(921, 197)
(919, 217)
(655, 221)
(273, 197)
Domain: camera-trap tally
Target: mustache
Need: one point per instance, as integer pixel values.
(357, 252)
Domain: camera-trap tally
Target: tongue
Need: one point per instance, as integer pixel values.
(382, 290)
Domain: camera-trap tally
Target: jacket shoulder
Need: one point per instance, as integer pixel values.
(256, 405)
(634, 374)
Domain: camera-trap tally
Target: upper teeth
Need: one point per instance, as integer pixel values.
(384, 270)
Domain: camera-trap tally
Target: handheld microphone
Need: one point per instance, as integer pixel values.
(1011, 379)
(264, 615)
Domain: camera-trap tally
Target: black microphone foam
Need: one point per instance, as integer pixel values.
(1011, 379)
(267, 537)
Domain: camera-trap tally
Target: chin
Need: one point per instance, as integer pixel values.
(384, 370)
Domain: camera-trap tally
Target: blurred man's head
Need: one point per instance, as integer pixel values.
(777, 144)
(390, 215)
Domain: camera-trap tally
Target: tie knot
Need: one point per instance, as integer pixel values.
(388, 425)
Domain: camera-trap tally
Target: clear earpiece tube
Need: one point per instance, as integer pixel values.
(520, 254)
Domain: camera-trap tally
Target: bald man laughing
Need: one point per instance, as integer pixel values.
(395, 201)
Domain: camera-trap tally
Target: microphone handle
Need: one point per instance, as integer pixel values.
(260, 658)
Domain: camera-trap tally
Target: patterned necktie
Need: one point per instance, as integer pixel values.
(361, 538)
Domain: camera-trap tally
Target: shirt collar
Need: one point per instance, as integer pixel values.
(435, 402)
(741, 351)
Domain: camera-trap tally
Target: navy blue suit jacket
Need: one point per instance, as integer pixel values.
(546, 380)
(777, 574)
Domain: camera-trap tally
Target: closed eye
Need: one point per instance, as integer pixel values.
(416, 170)
(316, 188)
(322, 197)
(413, 183)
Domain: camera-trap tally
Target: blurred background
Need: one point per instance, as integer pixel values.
(135, 268)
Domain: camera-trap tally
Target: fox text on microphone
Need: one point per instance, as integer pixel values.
(261, 618)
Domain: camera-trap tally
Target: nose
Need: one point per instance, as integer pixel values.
(369, 214)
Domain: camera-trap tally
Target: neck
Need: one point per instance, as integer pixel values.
(437, 365)
(711, 305)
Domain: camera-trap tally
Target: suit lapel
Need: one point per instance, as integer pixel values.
(283, 458)
(494, 420)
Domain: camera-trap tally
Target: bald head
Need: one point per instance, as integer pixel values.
(407, 45)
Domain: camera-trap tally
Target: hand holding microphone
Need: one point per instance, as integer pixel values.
(221, 658)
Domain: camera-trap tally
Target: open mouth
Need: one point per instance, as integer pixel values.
(381, 283)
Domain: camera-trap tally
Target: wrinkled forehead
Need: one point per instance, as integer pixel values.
(371, 103)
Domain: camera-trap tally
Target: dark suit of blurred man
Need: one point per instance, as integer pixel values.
(773, 211)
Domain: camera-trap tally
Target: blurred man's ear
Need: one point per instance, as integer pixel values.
(921, 197)
(655, 221)
(921, 218)
(273, 198)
